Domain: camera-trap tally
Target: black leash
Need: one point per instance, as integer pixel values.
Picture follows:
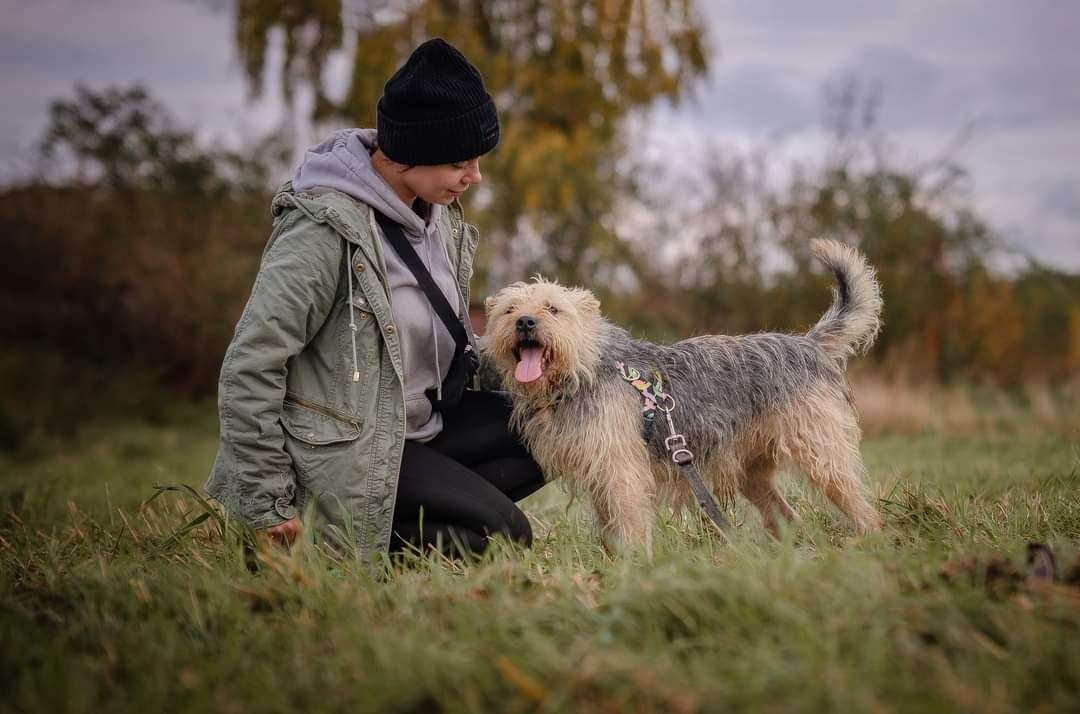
(656, 399)
(684, 459)
(705, 499)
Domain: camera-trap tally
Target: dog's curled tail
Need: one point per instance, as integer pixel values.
(852, 321)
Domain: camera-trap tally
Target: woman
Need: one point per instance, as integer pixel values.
(343, 382)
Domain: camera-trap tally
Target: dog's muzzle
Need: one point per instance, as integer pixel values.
(530, 353)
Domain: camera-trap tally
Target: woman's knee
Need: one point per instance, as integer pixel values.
(518, 529)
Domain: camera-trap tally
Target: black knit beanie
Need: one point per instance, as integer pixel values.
(435, 110)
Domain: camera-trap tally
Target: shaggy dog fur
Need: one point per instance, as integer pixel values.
(747, 404)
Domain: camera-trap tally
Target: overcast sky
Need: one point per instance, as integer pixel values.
(1009, 70)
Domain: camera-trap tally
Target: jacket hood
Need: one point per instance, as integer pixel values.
(343, 162)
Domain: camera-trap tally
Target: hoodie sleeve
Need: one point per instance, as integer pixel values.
(294, 292)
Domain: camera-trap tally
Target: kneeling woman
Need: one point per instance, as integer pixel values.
(344, 382)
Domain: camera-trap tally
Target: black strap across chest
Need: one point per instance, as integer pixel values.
(396, 237)
(465, 362)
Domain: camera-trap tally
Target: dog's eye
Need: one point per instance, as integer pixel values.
(553, 310)
(510, 309)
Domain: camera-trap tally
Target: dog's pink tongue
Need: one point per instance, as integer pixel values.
(528, 367)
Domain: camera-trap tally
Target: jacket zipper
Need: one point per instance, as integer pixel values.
(326, 411)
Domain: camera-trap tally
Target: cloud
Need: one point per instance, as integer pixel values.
(1009, 67)
(1005, 70)
(180, 49)
(1062, 200)
(907, 85)
(758, 99)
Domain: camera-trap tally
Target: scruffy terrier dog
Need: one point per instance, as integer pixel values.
(747, 404)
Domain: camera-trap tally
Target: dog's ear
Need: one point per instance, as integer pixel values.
(586, 301)
(489, 305)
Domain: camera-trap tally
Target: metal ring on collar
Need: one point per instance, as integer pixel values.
(682, 456)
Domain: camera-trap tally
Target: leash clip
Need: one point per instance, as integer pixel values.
(676, 443)
(656, 398)
(675, 439)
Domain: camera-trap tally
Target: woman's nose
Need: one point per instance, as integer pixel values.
(473, 174)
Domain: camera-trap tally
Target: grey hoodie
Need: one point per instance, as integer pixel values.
(343, 163)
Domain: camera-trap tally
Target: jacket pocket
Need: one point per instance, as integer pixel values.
(322, 443)
(317, 425)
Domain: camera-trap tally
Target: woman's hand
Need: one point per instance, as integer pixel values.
(287, 533)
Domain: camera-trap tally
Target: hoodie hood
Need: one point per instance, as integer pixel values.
(343, 163)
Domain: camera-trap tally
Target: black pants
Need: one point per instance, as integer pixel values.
(460, 487)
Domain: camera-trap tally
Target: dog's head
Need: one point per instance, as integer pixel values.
(543, 335)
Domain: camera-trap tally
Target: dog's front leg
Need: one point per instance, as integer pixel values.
(623, 495)
(614, 466)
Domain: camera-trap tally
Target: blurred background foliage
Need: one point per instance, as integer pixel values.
(130, 257)
(565, 75)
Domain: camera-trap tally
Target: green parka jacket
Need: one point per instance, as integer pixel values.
(296, 427)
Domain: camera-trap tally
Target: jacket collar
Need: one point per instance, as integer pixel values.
(349, 217)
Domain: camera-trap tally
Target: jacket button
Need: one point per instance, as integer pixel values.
(359, 267)
(284, 508)
(390, 329)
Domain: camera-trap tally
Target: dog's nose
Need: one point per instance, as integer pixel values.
(526, 323)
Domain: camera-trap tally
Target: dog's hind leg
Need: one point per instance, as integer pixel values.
(845, 488)
(758, 485)
(827, 449)
(849, 494)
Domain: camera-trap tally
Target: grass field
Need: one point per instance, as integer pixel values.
(104, 607)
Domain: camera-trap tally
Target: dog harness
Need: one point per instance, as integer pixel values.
(654, 399)
(651, 392)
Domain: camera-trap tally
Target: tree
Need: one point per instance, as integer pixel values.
(124, 140)
(737, 259)
(565, 75)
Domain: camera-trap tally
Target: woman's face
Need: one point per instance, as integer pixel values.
(442, 183)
